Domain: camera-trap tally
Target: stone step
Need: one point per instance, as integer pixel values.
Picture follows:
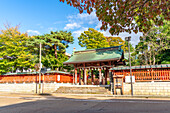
(83, 90)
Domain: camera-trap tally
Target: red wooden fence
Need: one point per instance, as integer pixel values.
(149, 75)
(34, 77)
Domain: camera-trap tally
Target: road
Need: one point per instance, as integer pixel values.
(52, 104)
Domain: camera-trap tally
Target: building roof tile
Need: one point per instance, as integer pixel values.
(96, 55)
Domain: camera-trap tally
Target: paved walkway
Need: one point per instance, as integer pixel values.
(79, 96)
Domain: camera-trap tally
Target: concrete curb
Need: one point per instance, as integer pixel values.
(114, 96)
(86, 95)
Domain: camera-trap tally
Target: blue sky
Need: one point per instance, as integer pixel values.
(42, 16)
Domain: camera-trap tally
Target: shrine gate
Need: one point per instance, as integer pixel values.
(95, 59)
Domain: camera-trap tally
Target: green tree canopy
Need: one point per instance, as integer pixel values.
(155, 45)
(53, 48)
(14, 54)
(93, 39)
(119, 15)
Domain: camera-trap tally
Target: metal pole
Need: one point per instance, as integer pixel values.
(130, 70)
(40, 71)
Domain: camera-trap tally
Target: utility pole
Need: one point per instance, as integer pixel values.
(40, 71)
(128, 39)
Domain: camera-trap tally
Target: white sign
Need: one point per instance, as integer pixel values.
(58, 78)
(128, 80)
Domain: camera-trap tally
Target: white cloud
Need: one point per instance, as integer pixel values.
(72, 26)
(98, 25)
(78, 20)
(33, 32)
(78, 32)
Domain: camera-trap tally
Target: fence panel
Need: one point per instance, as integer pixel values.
(149, 75)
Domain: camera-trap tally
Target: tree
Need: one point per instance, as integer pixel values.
(119, 15)
(117, 41)
(14, 53)
(154, 44)
(53, 48)
(92, 39)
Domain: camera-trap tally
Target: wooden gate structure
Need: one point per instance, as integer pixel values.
(145, 73)
(95, 59)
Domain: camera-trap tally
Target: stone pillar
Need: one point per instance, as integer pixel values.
(100, 77)
(85, 77)
(75, 76)
(92, 78)
(79, 76)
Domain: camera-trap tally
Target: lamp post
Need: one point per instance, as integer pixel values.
(128, 39)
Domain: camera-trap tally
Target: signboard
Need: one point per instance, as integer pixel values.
(128, 80)
(58, 78)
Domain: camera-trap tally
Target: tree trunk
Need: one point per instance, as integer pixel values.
(153, 58)
(145, 50)
(146, 59)
(55, 49)
(150, 57)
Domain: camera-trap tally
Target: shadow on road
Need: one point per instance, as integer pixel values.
(48, 103)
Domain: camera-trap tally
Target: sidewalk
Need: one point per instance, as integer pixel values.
(82, 96)
(99, 96)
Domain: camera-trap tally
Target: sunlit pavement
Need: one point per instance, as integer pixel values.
(14, 103)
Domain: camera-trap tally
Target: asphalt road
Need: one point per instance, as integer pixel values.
(91, 105)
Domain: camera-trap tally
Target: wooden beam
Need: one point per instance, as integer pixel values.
(100, 77)
(92, 78)
(85, 77)
(106, 75)
(79, 76)
(75, 76)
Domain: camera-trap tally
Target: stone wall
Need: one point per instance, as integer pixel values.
(140, 88)
(148, 88)
(30, 87)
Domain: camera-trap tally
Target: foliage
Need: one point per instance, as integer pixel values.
(93, 39)
(14, 52)
(119, 15)
(53, 48)
(154, 45)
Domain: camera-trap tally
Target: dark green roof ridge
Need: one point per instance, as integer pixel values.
(97, 48)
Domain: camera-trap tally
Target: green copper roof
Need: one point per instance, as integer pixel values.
(22, 73)
(93, 55)
(142, 67)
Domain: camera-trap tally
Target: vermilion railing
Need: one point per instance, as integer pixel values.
(156, 75)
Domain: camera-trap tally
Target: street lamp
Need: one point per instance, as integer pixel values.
(128, 39)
